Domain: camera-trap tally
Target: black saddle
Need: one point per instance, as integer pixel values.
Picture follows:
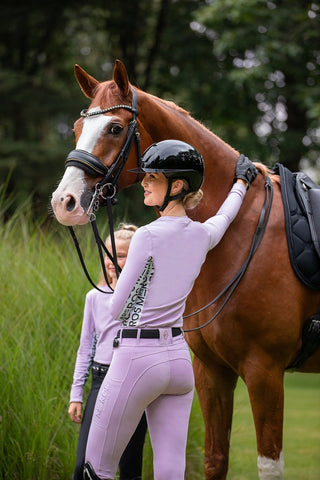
(301, 202)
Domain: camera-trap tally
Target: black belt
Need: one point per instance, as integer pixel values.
(100, 367)
(144, 333)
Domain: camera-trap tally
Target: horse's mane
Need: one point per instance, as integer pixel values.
(108, 93)
(169, 104)
(266, 171)
(263, 169)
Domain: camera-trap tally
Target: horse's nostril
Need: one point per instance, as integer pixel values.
(71, 204)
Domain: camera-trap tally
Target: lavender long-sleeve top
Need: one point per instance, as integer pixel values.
(164, 259)
(93, 346)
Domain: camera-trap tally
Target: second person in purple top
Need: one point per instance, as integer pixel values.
(151, 368)
(95, 355)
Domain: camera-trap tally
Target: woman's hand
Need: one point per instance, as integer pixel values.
(245, 170)
(75, 411)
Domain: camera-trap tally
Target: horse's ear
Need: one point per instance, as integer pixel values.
(87, 83)
(121, 78)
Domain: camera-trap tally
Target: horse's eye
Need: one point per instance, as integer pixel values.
(115, 129)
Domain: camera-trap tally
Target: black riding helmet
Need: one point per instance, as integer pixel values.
(176, 160)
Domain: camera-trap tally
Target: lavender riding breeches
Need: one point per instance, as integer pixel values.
(152, 375)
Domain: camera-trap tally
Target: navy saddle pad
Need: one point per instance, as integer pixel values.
(301, 202)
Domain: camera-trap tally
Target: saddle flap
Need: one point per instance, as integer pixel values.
(314, 195)
(302, 221)
(309, 196)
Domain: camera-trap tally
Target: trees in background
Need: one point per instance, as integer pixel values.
(268, 55)
(248, 69)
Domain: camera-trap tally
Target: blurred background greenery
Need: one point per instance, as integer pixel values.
(248, 69)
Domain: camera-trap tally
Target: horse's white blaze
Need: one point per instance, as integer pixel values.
(72, 185)
(92, 130)
(66, 200)
(269, 469)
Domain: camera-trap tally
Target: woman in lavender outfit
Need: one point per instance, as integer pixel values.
(151, 369)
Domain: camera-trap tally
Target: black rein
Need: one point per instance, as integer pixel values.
(105, 192)
(258, 234)
(106, 188)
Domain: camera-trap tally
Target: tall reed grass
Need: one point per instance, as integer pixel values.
(42, 297)
(41, 301)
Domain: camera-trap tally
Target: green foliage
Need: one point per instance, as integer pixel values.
(248, 69)
(269, 55)
(38, 317)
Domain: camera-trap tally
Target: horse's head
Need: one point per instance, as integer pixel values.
(107, 145)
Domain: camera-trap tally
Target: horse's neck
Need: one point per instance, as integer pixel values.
(164, 120)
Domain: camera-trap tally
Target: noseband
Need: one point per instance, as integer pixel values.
(107, 187)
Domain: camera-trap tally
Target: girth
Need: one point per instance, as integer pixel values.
(301, 203)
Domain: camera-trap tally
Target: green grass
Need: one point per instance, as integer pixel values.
(301, 434)
(42, 298)
(301, 431)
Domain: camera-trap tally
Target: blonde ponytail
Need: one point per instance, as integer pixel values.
(192, 199)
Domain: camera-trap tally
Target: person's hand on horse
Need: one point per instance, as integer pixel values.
(245, 170)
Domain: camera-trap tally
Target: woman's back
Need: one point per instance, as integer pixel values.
(168, 254)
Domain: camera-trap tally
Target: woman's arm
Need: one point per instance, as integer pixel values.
(85, 352)
(219, 223)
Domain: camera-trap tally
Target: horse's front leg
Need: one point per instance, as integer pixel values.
(215, 386)
(266, 393)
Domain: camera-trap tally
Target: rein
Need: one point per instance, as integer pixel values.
(106, 189)
(259, 232)
(105, 192)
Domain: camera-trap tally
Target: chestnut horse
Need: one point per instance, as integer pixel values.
(258, 332)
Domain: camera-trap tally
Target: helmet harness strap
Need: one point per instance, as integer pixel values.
(168, 198)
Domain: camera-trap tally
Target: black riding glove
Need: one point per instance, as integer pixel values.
(245, 170)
